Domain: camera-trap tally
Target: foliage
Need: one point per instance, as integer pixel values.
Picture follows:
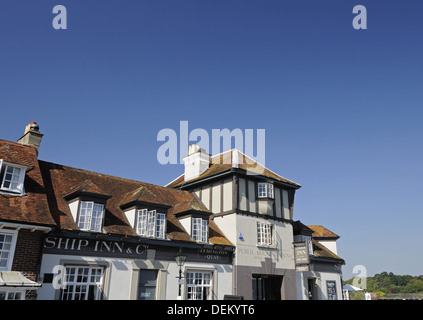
(385, 282)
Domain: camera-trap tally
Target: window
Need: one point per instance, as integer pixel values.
(198, 285)
(331, 287)
(90, 216)
(82, 283)
(264, 234)
(200, 229)
(7, 248)
(12, 295)
(150, 224)
(265, 190)
(13, 178)
(310, 245)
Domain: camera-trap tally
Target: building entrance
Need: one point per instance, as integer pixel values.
(147, 285)
(267, 287)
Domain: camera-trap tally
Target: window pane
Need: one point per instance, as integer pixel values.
(5, 249)
(85, 213)
(204, 230)
(270, 190)
(82, 283)
(262, 190)
(90, 216)
(260, 232)
(97, 217)
(160, 227)
(151, 224)
(11, 180)
(198, 285)
(196, 229)
(142, 222)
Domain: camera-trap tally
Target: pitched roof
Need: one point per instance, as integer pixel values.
(320, 232)
(61, 180)
(32, 207)
(301, 228)
(233, 159)
(321, 251)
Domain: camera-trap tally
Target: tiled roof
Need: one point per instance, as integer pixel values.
(87, 187)
(62, 180)
(321, 251)
(320, 232)
(224, 162)
(32, 207)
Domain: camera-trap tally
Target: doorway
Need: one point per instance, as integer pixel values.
(267, 287)
(312, 289)
(147, 283)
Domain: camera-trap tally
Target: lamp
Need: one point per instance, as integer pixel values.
(180, 261)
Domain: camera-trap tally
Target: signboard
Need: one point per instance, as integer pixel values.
(61, 244)
(302, 267)
(331, 287)
(301, 253)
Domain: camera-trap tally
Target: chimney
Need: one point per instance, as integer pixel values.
(196, 162)
(32, 136)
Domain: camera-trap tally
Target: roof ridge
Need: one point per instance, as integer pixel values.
(110, 176)
(252, 160)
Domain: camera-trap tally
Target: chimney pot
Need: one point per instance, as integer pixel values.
(32, 136)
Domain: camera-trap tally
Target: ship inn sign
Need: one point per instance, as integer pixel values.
(301, 256)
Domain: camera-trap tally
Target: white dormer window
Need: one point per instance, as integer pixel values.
(200, 229)
(265, 190)
(150, 224)
(90, 216)
(13, 178)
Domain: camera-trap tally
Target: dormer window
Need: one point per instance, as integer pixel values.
(265, 190)
(150, 224)
(200, 229)
(196, 223)
(87, 203)
(90, 216)
(13, 178)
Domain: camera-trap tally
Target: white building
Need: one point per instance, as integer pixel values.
(320, 277)
(253, 207)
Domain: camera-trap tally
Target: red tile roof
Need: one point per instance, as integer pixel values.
(321, 232)
(32, 207)
(320, 250)
(62, 180)
(48, 186)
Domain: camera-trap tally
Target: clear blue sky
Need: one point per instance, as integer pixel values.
(342, 108)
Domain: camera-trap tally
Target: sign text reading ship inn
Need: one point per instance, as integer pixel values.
(133, 248)
(301, 256)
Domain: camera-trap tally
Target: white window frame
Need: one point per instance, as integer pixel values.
(77, 284)
(10, 251)
(19, 182)
(199, 285)
(265, 190)
(151, 224)
(265, 233)
(10, 294)
(200, 229)
(88, 219)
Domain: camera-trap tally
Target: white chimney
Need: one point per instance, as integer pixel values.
(32, 136)
(196, 162)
